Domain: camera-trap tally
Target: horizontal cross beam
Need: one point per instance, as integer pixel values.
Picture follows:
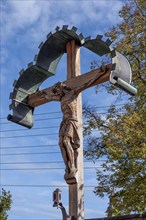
(37, 98)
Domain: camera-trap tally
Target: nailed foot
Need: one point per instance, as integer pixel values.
(70, 174)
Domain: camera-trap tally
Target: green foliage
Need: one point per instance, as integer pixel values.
(129, 37)
(122, 139)
(5, 204)
(123, 143)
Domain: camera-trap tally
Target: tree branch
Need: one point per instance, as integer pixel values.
(135, 1)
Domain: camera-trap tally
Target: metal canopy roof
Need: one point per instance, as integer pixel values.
(46, 62)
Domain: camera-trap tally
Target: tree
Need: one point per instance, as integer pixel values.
(122, 140)
(5, 204)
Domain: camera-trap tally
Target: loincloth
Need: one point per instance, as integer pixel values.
(69, 128)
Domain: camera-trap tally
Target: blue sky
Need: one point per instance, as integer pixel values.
(24, 24)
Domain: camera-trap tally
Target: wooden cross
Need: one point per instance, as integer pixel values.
(68, 93)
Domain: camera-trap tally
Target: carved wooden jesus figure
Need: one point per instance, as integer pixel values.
(69, 140)
(68, 134)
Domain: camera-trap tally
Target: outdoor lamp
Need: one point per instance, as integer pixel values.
(57, 197)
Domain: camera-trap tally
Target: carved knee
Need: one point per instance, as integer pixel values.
(66, 141)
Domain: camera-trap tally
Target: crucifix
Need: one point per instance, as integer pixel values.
(68, 93)
(26, 96)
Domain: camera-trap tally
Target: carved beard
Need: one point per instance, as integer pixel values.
(60, 90)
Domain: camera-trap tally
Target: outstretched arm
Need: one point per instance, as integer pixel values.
(49, 96)
(91, 82)
(77, 85)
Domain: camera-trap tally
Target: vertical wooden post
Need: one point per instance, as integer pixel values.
(76, 191)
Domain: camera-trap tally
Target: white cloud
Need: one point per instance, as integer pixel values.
(26, 12)
(21, 14)
(37, 16)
